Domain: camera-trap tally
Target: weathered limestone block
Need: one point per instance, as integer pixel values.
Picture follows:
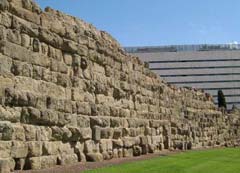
(118, 122)
(94, 157)
(106, 145)
(83, 121)
(6, 131)
(30, 132)
(62, 134)
(5, 65)
(56, 54)
(51, 148)
(127, 152)
(66, 148)
(66, 159)
(5, 149)
(22, 69)
(19, 149)
(102, 110)
(129, 142)
(107, 133)
(100, 121)
(24, 26)
(48, 117)
(44, 133)
(4, 5)
(25, 40)
(13, 36)
(10, 114)
(117, 134)
(134, 123)
(83, 108)
(43, 162)
(79, 150)
(18, 133)
(7, 165)
(124, 113)
(5, 19)
(158, 123)
(64, 119)
(5, 83)
(35, 149)
(50, 22)
(117, 143)
(91, 147)
(68, 59)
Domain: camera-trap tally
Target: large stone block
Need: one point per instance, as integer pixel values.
(44, 133)
(5, 149)
(51, 148)
(117, 134)
(128, 142)
(117, 143)
(5, 20)
(78, 149)
(7, 165)
(19, 149)
(134, 123)
(94, 157)
(48, 117)
(10, 114)
(91, 146)
(106, 145)
(5, 67)
(83, 121)
(42, 162)
(100, 121)
(83, 108)
(67, 159)
(119, 122)
(4, 5)
(64, 119)
(25, 14)
(5, 83)
(18, 133)
(6, 131)
(128, 152)
(107, 133)
(35, 149)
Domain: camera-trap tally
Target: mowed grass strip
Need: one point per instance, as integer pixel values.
(208, 161)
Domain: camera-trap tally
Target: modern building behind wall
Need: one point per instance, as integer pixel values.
(207, 67)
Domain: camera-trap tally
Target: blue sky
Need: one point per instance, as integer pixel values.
(158, 22)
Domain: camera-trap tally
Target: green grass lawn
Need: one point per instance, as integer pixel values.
(209, 161)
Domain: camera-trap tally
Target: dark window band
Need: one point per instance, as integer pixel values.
(213, 74)
(200, 60)
(230, 103)
(228, 95)
(185, 68)
(225, 88)
(196, 82)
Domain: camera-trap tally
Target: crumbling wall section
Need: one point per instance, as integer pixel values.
(69, 93)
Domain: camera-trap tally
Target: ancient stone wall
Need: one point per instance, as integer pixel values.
(69, 93)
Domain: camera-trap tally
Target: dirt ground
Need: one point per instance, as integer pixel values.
(82, 166)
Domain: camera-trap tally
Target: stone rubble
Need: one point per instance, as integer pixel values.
(69, 93)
